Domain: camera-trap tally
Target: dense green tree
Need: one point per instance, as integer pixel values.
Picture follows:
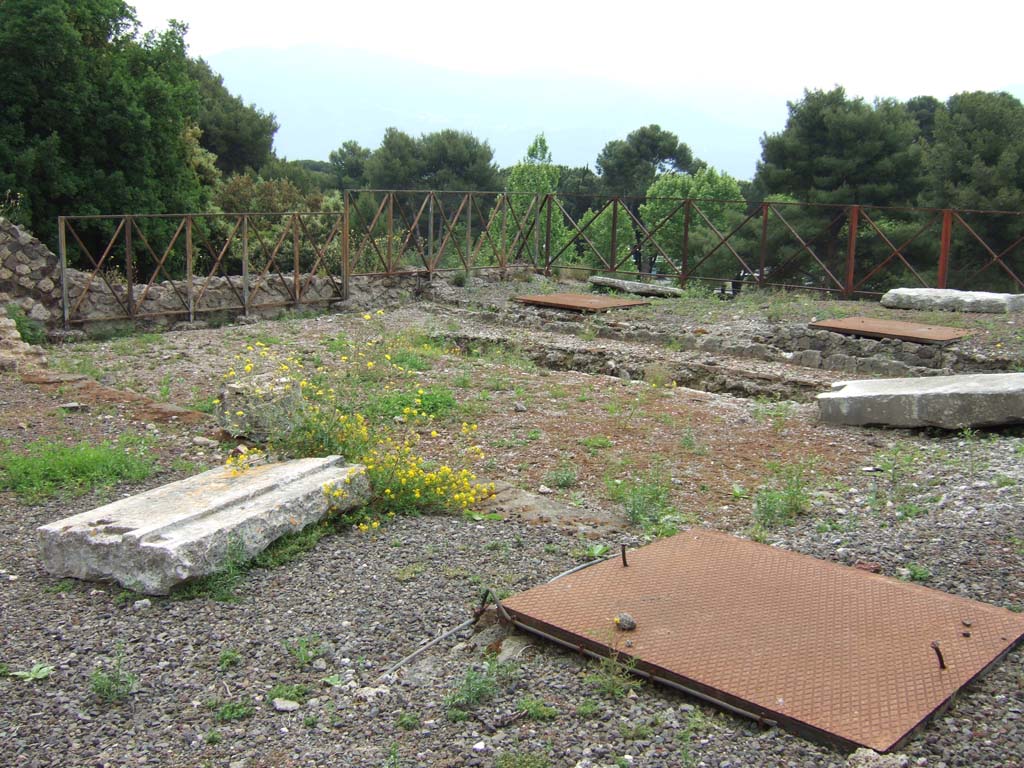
(348, 165)
(249, 193)
(977, 158)
(240, 135)
(95, 118)
(923, 109)
(533, 177)
(309, 181)
(840, 150)
(629, 166)
(455, 160)
(395, 164)
(662, 213)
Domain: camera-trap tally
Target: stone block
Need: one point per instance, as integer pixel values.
(947, 402)
(638, 288)
(954, 301)
(155, 540)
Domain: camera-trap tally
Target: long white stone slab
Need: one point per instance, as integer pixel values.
(953, 301)
(948, 402)
(640, 289)
(158, 539)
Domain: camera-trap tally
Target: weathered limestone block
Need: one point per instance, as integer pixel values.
(954, 301)
(156, 540)
(948, 402)
(641, 289)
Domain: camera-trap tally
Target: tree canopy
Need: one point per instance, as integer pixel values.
(628, 167)
(840, 150)
(95, 117)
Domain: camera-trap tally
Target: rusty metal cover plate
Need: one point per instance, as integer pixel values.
(892, 329)
(828, 651)
(582, 302)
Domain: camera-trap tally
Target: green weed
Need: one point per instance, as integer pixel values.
(46, 468)
(213, 737)
(408, 721)
(297, 693)
(219, 586)
(612, 678)
(787, 497)
(228, 658)
(479, 685)
(916, 572)
(536, 709)
(646, 501)
(587, 708)
(410, 572)
(232, 711)
(564, 476)
(31, 331)
(304, 649)
(115, 684)
(35, 673)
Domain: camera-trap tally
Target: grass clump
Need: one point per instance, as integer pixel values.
(479, 685)
(304, 649)
(298, 693)
(33, 674)
(219, 586)
(114, 684)
(408, 721)
(228, 658)
(31, 331)
(564, 476)
(647, 503)
(537, 709)
(232, 711)
(612, 678)
(46, 469)
(786, 497)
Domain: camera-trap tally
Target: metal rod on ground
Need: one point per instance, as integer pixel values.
(422, 648)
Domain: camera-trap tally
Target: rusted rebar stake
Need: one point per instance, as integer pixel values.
(624, 563)
(938, 652)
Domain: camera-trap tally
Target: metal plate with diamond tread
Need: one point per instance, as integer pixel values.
(581, 302)
(873, 328)
(828, 651)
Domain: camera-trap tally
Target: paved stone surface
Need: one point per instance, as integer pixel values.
(948, 402)
(955, 301)
(184, 530)
(632, 286)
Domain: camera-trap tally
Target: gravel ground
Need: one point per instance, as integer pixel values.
(364, 601)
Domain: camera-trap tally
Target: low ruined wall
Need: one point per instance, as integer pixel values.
(29, 274)
(30, 278)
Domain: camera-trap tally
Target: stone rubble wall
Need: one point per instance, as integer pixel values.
(30, 278)
(15, 354)
(29, 274)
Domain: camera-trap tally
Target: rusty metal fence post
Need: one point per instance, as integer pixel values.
(346, 267)
(684, 271)
(189, 287)
(851, 251)
(296, 263)
(947, 234)
(764, 243)
(614, 255)
(469, 231)
(129, 265)
(547, 235)
(245, 264)
(62, 248)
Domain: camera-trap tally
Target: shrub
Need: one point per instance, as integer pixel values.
(31, 331)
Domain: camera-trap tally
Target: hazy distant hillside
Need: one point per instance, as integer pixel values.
(322, 97)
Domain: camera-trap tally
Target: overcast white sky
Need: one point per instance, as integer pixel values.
(738, 49)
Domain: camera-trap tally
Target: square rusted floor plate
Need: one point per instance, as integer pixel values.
(581, 302)
(873, 328)
(828, 651)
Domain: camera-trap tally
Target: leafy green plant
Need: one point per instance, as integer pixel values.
(479, 685)
(612, 678)
(221, 585)
(35, 673)
(304, 649)
(47, 468)
(777, 412)
(564, 476)
(232, 711)
(587, 552)
(647, 503)
(213, 737)
(537, 709)
(296, 692)
(688, 442)
(520, 760)
(115, 684)
(786, 498)
(228, 658)
(635, 731)
(587, 708)
(595, 443)
(31, 331)
(408, 721)
(410, 572)
(917, 572)
(62, 586)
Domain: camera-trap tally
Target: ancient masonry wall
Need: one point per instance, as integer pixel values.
(30, 278)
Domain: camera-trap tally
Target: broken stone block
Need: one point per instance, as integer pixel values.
(155, 540)
(947, 402)
(953, 301)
